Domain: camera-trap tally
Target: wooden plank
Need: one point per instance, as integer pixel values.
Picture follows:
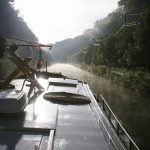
(50, 140)
(22, 66)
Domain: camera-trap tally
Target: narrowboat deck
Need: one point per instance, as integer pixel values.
(47, 125)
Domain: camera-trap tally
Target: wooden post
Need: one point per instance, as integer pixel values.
(22, 66)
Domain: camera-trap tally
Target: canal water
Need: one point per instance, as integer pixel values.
(132, 111)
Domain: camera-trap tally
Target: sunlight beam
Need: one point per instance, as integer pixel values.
(55, 20)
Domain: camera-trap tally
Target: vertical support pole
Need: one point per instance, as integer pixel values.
(109, 115)
(46, 63)
(103, 105)
(130, 145)
(125, 18)
(118, 129)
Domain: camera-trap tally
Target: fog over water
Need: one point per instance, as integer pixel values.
(131, 110)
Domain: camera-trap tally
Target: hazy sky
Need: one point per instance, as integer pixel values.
(56, 20)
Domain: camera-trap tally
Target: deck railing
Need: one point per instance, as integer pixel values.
(121, 132)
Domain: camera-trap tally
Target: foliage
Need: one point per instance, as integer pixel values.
(63, 49)
(123, 38)
(136, 81)
(11, 24)
(6, 67)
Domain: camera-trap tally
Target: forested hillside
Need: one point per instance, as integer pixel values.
(122, 39)
(63, 49)
(11, 25)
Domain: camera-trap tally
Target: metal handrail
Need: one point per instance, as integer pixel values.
(130, 145)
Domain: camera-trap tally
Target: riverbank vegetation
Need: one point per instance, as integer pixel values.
(137, 81)
(124, 44)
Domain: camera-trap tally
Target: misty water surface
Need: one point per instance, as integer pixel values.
(132, 111)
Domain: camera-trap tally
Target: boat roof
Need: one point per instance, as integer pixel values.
(45, 125)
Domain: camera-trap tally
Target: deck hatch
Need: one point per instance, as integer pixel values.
(63, 82)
